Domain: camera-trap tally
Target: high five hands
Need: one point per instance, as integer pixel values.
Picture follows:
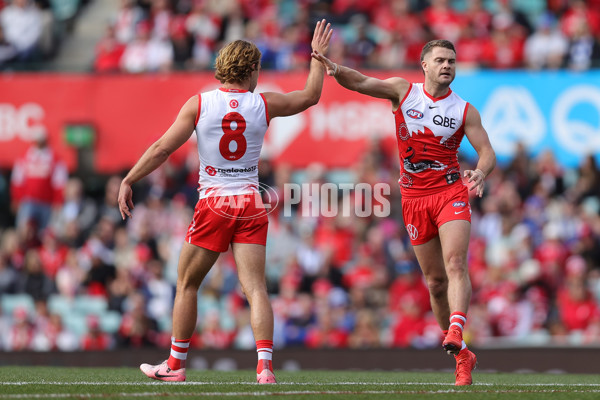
(320, 44)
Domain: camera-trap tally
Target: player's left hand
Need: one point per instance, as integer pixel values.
(125, 200)
(321, 37)
(477, 177)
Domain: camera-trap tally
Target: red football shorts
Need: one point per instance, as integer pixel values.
(221, 220)
(423, 215)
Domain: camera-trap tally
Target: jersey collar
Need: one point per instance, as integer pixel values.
(434, 99)
(232, 90)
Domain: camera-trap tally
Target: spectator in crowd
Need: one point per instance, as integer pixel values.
(161, 18)
(77, 208)
(442, 20)
(22, 25)
(577, 12)
(508, 15)
(204, 28)
(8, 276)
(365, 334)
(471, 47)
(7, 50)
(137, 328)
(94, 339)
(108, 207)
(70, 276)
(324, 333)
(576, 306)
(37, 184)
(211, 335)
(127, 18)
(147, 53)
(53, 336)
(546, 47)
(108, 52)
(33, 280)
(52, 253)
(479, 18)
(584, 49)
(504, 49)
(47, 43)
(20, 334)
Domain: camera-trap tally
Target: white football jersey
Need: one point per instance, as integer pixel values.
(230, 128)
(429, 132)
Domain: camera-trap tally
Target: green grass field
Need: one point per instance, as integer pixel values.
(129, 383)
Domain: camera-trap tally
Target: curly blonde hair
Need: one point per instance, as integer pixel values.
(236, 61)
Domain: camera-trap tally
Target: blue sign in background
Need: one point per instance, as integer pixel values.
(557, 111)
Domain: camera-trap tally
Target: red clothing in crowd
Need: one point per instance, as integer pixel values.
(576, 313)
(571, 19)
(108, 55)
(409, 327)
(444, 22)
(38, 176)
(317, 337)
(96, 341)
(409, 287)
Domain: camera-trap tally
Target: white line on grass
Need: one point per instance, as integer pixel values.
(255, 394)
(154, 383)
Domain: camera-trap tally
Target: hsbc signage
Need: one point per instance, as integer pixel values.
(22, 122)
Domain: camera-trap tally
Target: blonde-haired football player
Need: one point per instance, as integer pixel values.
(230, 123)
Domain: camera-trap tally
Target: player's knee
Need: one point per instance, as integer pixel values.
(438, 286)
(254, 291)
(456, 265)
(187, 283)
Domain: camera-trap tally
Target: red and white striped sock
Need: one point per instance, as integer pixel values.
(264, 348)
(179, 350)
(458, 320)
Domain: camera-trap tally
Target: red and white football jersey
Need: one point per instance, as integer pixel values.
(429, 132)
(39, 176)
(231, 127)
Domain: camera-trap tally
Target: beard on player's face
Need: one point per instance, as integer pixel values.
(440, 74)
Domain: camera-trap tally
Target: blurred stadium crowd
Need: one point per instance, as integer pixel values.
(164, 35)
(87, 280)
(80, 278)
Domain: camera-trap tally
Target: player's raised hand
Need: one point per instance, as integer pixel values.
(125, 200)
(477, 177)
(327, 63)
(321, 37)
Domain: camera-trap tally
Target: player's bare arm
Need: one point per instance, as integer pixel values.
(393, 89)
(179, 132)
(284, 104)
(480, 141)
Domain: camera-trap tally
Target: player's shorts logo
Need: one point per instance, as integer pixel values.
(210, 170)
(234, 103)
(403, 132)
(412, 231)
(459, 204)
